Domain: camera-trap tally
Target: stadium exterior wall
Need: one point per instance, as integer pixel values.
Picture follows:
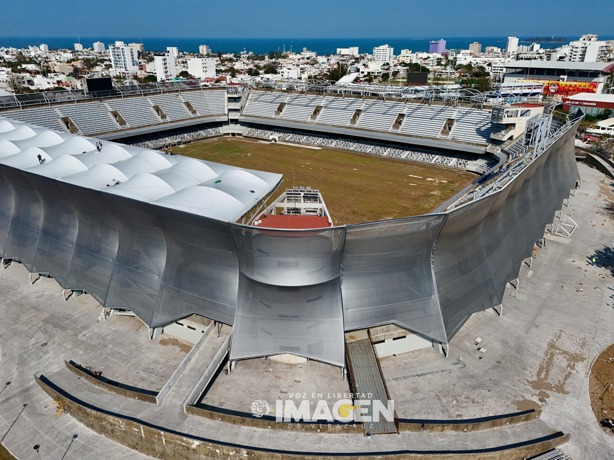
(285, 291)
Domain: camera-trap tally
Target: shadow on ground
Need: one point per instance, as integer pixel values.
(603, 258)
(609, 207)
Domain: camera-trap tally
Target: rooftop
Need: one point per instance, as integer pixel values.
(592, 97)
(199, 187)
(605, 67)
(292, 222)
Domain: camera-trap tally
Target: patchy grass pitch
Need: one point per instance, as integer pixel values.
(356, 188)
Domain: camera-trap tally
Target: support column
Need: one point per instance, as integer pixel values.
(155, 332)
(528, 261)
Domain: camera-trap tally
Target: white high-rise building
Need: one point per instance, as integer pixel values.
(44, 48)
(512, 45)
(98, 47)
(165, 67)
(290, 72)
(588, 49)
(202, 67)
(383, 53)
(123, 57)
(78, 47)
(204, 50)
(173, 51)
(139, 47)
(475, 48)
(351, 51)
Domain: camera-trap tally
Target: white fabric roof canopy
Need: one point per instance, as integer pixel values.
(208, 189)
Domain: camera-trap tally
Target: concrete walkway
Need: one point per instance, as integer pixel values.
(190, 377)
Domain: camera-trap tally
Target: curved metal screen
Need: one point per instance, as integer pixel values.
(387, 275)
(283, 291)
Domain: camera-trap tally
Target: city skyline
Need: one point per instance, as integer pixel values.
(282, 19)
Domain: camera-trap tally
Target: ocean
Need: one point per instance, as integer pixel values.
(322, 46)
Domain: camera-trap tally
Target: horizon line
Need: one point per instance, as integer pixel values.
(294, 38)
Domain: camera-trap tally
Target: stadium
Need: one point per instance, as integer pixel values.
(91, 203)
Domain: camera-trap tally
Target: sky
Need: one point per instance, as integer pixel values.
(307, 18)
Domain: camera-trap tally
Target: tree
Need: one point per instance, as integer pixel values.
(232, 72)
(476, 77)
(270, 69)
(14, 84)
(75, 72)
(385, 76)
(417, 67)
(253, 72)
(337, 72)
(185, 74)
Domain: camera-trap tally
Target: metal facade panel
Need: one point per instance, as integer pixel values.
(26, 220)
(201, 271)
(289, 258)
(96, 244)
(58, 231)
(501, 230)
(463, 275)
(387, 275)
(305, 321)
(6, 210)
(289, 298)
(139, 264)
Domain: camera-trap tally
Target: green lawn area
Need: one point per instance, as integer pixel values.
(356, 188)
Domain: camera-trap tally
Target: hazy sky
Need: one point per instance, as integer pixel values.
(307, 18)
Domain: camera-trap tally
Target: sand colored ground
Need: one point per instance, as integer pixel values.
(5, 454)
(601, 386)
(356, 188)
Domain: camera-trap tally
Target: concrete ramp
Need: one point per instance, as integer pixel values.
(368, 383)
(601, 164)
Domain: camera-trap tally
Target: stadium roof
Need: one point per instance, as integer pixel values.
(605, 67)
(204, 188)
(592, 97)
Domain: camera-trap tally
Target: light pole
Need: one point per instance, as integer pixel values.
(74, 436)
(14, 421)
(5, 385)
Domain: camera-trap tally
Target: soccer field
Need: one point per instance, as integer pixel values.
(356, 188)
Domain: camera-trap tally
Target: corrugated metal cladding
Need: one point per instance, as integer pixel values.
(166, 250)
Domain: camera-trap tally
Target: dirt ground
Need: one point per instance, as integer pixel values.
(5, 454)
(356, 188)
(601, 386)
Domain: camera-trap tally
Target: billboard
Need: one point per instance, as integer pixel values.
(565, 88)
(92, 85)
(417, 78)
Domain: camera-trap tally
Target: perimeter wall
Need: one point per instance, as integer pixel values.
(285, 291)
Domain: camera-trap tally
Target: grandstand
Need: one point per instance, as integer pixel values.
(113, 115)
(157, 116)
(470, 126)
